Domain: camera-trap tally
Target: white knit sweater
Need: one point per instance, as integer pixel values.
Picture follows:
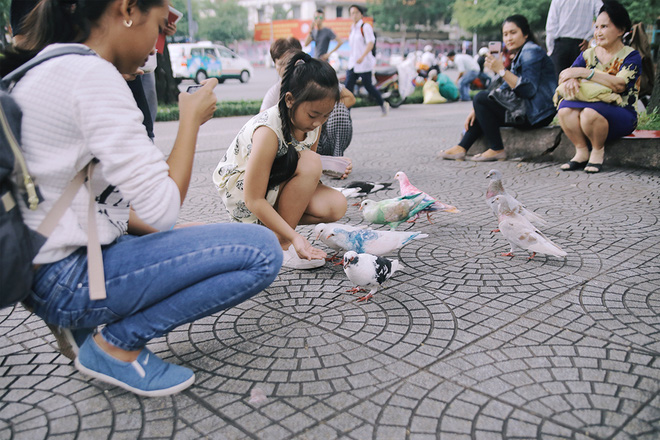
(76, 108)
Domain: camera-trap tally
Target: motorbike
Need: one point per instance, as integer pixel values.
(386, 81)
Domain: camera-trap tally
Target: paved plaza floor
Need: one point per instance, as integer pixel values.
(462, 343)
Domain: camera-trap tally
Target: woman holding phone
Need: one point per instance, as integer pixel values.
(77, 108)
(531, 77)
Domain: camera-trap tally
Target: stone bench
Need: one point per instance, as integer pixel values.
(639, 150)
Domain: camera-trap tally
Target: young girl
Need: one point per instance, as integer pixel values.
(76, 108)
(270, 173)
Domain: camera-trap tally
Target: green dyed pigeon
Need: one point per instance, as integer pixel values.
(393, 212)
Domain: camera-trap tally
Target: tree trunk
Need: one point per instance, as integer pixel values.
(166, 88)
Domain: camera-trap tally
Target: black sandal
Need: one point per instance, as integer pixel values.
(598, 166)
(573, 166)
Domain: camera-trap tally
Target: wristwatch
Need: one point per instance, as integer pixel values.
(501, 73)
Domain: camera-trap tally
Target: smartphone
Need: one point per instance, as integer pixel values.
(494, 47)
(193, 89)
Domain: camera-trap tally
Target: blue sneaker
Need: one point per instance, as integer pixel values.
(70, 340)
(147, 376)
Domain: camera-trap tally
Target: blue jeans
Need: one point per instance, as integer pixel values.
(464, 84)
(159, 281)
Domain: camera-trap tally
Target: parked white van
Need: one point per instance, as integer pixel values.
(203, 60)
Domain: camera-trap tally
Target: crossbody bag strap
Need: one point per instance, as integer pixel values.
(95, 270)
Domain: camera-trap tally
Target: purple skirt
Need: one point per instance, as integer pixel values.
(621, 120)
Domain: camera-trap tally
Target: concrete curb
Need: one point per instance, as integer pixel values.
(551, 144)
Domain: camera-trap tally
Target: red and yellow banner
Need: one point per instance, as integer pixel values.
(300, 28)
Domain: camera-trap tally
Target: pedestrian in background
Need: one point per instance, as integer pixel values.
(568, 29)
(322, 36)
(361, 61)
(468, 70)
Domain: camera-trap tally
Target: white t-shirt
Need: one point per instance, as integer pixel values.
(465, 63)
(358, 44)
(76, 108)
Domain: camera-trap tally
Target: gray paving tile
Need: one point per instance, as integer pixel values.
(460, 344)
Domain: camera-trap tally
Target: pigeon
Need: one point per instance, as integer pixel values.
(368, 270)
(495, 188)
(362, 189)
(393, 212)
(323, 230)
(370, 241)
(521, 234)
(408, 188)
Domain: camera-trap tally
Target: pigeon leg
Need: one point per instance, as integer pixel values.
(428, 216)
(532, 256)
(413, 219)
(333, 258)
(496, 230)
(365, 297)
(356, 290)
(507, 254)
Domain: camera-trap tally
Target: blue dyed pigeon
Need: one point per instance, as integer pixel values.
(408, 188)
(338, 236)
(393, 212)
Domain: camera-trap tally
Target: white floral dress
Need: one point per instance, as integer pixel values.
(230, 172)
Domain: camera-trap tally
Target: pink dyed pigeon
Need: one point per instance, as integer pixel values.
(408, 188)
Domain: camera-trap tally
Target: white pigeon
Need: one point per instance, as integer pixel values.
(521, 234)
(496, 188)
(370, 241)
(369, 271)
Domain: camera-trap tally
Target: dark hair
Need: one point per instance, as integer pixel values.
(67, 21)
(283, 45)
(618, 15)
(523, 24)
(19, 10)
(307, 79)
(451, 54)
(320, 11)
(359, 8)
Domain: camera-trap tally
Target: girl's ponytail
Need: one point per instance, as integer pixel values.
(307, 79)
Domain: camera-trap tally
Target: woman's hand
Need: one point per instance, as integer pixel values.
(305, 250)
(469, 121)
(493, 63)
(200, 105)
(573, 73)
(572, 87)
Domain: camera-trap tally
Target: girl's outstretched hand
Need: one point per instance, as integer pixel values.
(305, 250)
(200, 105)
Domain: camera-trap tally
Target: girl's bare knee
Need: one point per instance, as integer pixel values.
(309, 164)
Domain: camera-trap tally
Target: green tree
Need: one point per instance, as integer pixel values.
(642, 10)
(4, 21)
(224, 21)
(399, 15)
(486, 16)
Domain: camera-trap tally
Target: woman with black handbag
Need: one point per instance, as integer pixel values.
(524, 100)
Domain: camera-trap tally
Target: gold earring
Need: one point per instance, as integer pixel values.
(128, 23)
